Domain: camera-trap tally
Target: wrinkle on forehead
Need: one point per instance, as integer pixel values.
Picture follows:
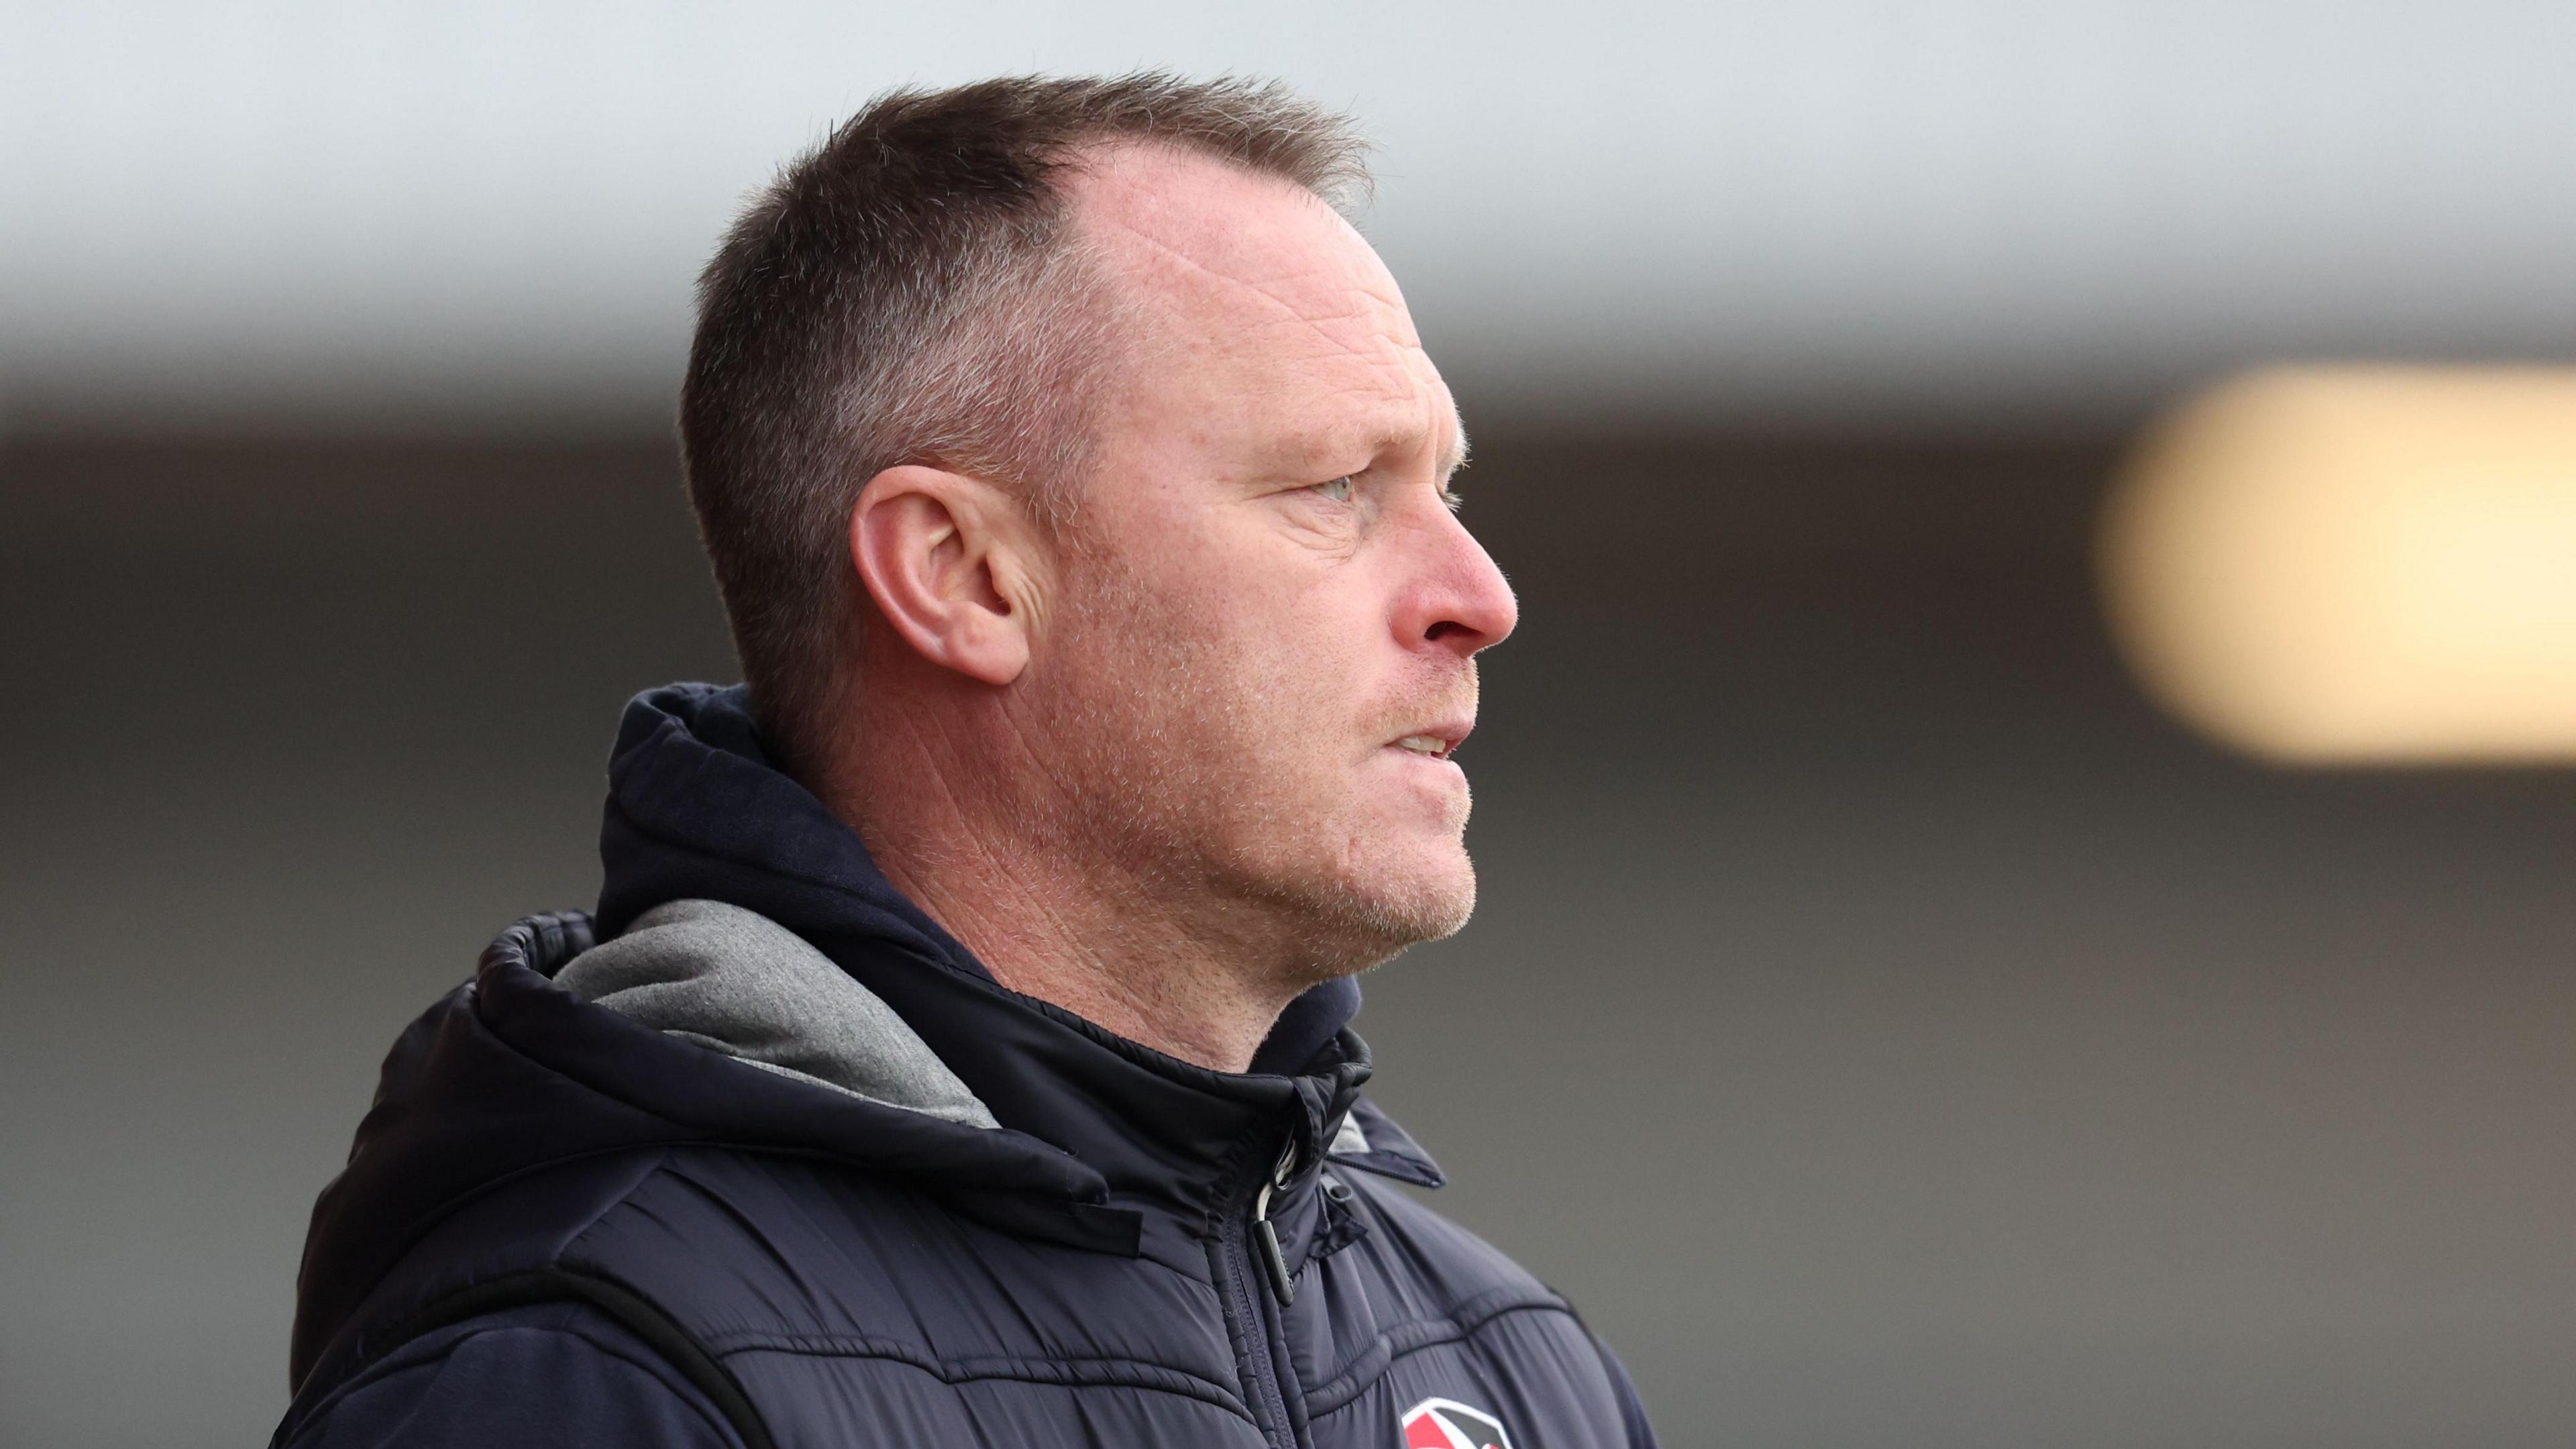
(1225, 255)
(1280, 293)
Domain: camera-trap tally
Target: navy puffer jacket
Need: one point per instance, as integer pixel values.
(571, 1219)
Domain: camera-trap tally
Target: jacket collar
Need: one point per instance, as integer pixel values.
(697, 809)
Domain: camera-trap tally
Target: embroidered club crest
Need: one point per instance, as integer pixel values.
(1448, 1424)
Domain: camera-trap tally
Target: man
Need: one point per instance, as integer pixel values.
(958, 1054)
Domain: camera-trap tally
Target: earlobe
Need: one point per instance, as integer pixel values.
(933, 548)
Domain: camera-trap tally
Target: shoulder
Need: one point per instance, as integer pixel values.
(541, 1374)
(599, 1292)
(739, 1243)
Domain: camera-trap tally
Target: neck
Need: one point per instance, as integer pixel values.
(1051, 919)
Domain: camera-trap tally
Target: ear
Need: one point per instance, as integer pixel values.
(948, 558)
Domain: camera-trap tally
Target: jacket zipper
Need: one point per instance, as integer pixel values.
(1243, 1239)
(1281, 1284)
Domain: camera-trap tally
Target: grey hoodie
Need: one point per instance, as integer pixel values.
(742, 984)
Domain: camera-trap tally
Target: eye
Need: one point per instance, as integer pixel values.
(1338, 490)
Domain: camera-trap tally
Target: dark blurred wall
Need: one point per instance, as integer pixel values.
(1886, 1028)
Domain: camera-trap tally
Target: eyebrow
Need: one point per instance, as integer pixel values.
(1454, 457)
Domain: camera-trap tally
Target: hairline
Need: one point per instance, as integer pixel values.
(1084, 157)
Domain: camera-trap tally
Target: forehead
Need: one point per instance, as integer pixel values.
(1258, 305)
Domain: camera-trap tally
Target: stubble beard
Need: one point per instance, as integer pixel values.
(1187, 786)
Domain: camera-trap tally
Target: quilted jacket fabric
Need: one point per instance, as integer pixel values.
(561, 1227)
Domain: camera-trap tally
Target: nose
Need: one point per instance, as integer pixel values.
(1458, 602)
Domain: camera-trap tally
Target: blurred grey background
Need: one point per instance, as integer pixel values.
(1886, 1026)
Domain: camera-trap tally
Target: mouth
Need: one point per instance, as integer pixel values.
(1438, 742)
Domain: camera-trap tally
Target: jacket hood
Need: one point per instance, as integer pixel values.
(1017, 1112)
(748, 987)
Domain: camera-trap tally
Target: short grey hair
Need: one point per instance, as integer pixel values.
(911, 290)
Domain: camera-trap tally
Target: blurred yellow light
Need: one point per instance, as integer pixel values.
(2358, 565)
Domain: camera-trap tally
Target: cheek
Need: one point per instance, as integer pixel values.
(1266, 645)
(1309, 657)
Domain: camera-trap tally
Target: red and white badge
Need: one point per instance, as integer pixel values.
(1448, 1424)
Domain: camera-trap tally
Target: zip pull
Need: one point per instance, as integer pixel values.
(1281, 1285)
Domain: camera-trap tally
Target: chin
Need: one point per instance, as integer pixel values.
(1389, 904)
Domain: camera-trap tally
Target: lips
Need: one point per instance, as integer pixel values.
(1438, 739)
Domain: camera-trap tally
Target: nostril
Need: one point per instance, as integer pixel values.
(1444, 629)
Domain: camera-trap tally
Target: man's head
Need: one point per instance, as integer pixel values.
(1173, 588)
(914, 290)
